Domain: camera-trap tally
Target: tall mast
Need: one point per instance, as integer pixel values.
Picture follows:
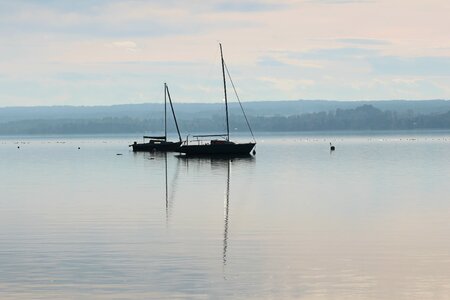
(225, 92)
(173, 112)
(165, 112)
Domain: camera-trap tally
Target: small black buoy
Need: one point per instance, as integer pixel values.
(332, 148)
(78, 148)
(18, 147)
(254, 152)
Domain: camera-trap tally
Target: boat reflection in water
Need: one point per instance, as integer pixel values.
(170, 196)
(226, 211)
(197, 171)
(221, 163)
(161, 162)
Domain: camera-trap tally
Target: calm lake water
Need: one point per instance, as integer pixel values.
(369, 221)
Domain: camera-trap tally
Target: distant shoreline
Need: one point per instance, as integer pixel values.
(297, 118)
(258, 134)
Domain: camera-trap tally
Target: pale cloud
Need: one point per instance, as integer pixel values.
(407, 80)
(288, 85)
(341, 53)
(127, 45)
(362, 41)
(408, 66)
(341, 1)
(284, 59)
(104, 52)
(249, 6)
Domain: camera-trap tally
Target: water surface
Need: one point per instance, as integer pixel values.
(370, 220)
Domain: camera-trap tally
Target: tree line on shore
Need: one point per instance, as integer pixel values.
(365, 117)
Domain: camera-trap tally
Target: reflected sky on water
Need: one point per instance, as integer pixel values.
(367, 221)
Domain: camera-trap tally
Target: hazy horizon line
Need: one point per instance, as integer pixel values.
(215, 103)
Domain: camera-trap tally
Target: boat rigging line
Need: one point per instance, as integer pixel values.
(239, 101)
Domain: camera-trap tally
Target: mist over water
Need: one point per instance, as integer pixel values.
(367, 221)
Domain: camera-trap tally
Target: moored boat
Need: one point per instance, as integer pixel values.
(160, 143)
(219, 144)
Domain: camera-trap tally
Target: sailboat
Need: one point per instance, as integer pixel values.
(160, 143)
(219, 144)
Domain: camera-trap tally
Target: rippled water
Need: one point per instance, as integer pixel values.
(369, 221)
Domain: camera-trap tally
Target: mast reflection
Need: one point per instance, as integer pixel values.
(160, 160)
(219, 164)
(169, 197)
(226, 215)
(167, 189)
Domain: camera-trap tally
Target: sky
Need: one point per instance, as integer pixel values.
(106, 52)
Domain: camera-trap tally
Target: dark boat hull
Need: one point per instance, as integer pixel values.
(218, 149)
(159, 146)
